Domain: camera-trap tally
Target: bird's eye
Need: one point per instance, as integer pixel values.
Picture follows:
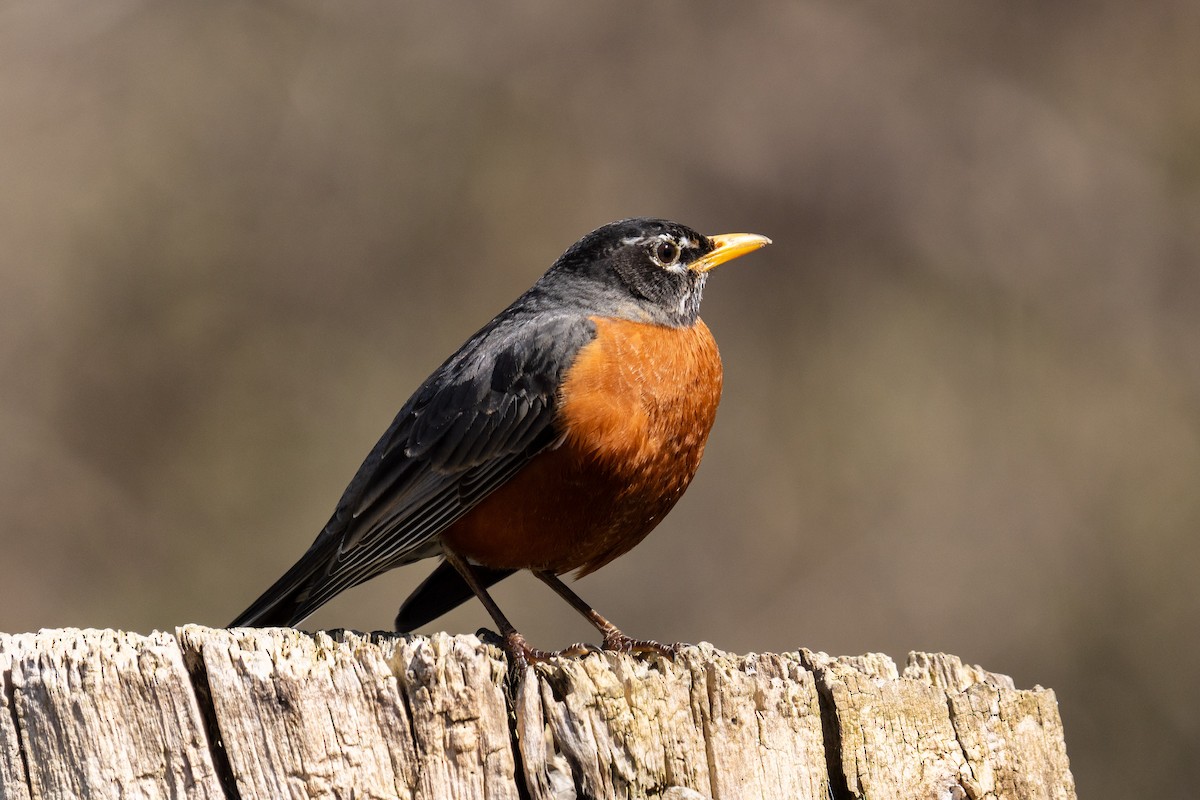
(665, 253)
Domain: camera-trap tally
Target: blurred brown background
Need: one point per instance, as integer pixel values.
(962, 407)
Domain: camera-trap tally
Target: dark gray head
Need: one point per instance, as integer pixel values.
(645, 269)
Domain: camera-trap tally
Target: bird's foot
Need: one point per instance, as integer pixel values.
(521, 655)
(515, 647)
(618, 642)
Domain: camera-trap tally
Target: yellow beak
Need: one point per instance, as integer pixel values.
(728, 247)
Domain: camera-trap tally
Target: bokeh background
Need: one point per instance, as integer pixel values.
(962, 406)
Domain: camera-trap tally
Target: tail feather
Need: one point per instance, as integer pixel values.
(284, 604)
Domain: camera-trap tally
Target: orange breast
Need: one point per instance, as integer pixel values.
(637, 406)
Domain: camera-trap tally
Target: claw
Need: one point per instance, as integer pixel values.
(489, 636)
(579, 650)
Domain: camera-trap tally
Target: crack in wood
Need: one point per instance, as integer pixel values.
(198, 673)
(838, 787)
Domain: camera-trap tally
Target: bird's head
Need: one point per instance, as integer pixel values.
(647, 269)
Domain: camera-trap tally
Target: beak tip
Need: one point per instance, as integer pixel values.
(728, 246)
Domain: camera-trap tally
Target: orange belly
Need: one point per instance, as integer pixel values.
(636, 407)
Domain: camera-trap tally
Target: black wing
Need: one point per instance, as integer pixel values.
(471, 426)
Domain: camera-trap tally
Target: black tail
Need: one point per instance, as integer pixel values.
(287, 602)
(442, 591)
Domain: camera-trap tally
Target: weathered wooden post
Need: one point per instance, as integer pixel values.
(277, 713)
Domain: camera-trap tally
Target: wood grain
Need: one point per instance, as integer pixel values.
(106, 714)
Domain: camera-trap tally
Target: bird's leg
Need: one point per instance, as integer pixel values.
(514, 643)
(613, 638)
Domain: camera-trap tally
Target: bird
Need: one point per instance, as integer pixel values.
(553, 440)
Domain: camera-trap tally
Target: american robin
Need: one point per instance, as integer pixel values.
(554, 440)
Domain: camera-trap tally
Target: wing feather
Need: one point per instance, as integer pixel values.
(480, 417)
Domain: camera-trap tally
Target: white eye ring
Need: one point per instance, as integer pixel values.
(665, 253)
